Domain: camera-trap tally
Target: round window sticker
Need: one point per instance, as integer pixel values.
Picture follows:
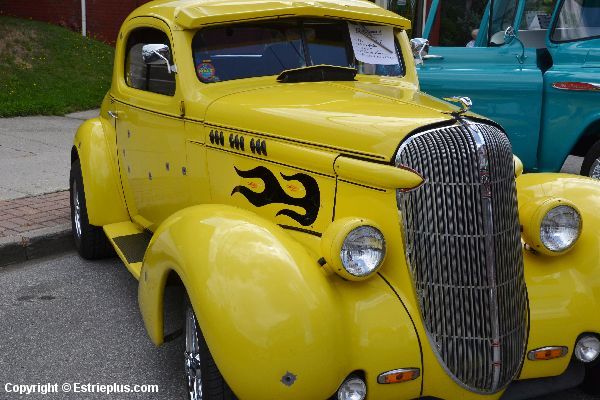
(206, 71)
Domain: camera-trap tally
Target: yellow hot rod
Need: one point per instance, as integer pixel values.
(335, 232)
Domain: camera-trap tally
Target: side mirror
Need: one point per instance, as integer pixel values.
(157, 54)
(509, 34)
(420, 48)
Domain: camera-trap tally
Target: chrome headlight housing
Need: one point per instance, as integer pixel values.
(353, 248)
(560, 228)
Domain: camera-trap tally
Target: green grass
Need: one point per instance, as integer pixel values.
(49, 70)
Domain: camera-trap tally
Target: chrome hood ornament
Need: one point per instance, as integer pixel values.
(465, 103)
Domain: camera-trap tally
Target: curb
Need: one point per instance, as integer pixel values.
(35, 244)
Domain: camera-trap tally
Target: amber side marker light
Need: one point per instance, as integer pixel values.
(399, 375)
(547, 353)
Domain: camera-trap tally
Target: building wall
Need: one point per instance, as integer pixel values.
(104, 17)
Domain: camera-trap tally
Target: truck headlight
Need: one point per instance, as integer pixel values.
(551, 226)
(560, 228)
(354, 248)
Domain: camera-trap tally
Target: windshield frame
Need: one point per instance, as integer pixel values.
(555, 19)
(305, 45)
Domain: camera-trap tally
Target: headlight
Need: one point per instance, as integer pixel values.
(363, 250)
(353, 248)
(353, 388)
(560, 228)
(587, 348)
(551, 226)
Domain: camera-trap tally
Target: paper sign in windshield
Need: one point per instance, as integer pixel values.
(373, 44)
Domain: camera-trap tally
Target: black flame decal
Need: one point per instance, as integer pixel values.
(274, 193)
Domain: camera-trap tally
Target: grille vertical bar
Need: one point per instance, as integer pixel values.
(463, 244)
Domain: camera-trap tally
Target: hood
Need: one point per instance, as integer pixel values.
(369, 119)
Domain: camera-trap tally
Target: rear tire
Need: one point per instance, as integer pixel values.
(203, 378)
(591, 162)
(90, 240)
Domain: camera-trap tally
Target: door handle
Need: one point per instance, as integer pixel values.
(432, 57)
(113, 114)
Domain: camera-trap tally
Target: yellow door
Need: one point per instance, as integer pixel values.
(150, 128)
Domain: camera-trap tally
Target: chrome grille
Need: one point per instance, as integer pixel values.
(462, 238)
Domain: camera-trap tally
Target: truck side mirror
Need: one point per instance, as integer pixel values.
(157, 54)
(509, 35)
(420, 48)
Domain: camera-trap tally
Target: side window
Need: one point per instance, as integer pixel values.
(457, 23)
(153, 77)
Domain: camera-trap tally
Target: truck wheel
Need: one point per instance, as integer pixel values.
(203, 378)
(591, 162)
(90, 241)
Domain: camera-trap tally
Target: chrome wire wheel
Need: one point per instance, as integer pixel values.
(192, 356)
(76, 210)
(595, 169)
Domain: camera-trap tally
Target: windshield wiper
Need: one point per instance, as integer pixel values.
(317, 73)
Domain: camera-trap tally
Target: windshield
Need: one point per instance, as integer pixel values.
(578, 19)
(269, 48)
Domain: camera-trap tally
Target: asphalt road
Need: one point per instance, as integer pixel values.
(66, 320)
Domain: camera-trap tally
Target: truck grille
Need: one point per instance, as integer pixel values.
(462, 238)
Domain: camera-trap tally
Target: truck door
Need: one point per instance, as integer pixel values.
(503, 80)
(572, 87)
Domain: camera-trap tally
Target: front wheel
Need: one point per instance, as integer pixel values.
(591, 162)
(203, 378)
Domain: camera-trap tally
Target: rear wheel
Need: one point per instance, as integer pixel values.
(90, 240)
(203, 378)
(591, 162)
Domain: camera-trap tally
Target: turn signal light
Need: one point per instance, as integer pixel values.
(399, 375)
(547, 353)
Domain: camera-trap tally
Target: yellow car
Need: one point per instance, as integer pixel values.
(334, 232)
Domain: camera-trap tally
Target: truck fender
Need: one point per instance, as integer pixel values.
(94, 146)
(263, 303)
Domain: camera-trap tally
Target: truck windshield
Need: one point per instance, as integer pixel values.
(578, 19)
(269, 48)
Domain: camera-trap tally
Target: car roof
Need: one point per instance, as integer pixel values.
(192, 14)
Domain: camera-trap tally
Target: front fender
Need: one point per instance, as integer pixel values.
(564, 290)
(267, 308)
(93, 142)
(263, 303)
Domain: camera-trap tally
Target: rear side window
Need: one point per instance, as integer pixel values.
(577, 20)
(148, 77)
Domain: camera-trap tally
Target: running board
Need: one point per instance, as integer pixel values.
(130, 242)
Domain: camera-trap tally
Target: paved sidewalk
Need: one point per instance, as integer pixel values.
(35, 226)
(23, 215)
(35, 153)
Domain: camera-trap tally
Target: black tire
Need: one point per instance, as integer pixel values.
(591, 382)
(590, 158)
(213, 384)
(90, 241)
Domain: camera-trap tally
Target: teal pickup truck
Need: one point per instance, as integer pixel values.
(534, 67)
